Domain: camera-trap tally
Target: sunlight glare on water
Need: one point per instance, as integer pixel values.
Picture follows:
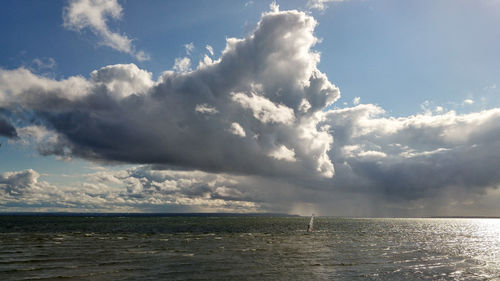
(248, 248)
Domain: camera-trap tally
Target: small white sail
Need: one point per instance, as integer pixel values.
(310, 225)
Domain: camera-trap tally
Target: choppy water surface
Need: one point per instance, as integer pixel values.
(248, 248)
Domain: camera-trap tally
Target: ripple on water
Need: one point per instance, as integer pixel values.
(253, 248)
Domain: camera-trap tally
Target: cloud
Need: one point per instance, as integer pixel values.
(189, 48)
(283, 153)
(6, 129)
(468, 102)
(210, 49)
(320, 5)
(265, 110)
(17, 183)
(417, 157)
(147, 189)
(205, 109)
(122, 80)
(490, 87)
(94, 14)
(237, 130)
(182, 64)
(41, 64)
(267, 83)
(415, 165)
(126, 190)
(356, 100)
(251, 130)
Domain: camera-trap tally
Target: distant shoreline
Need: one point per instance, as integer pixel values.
(70, 214)
(463, 217)
(79, 214)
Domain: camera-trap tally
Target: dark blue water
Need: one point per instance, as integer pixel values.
(247, 248)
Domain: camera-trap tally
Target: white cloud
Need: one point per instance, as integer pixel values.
(182, 64)
(490, 87)
(142, 56)
(37, 134)
(126, 190)
(15, 84)
(468, 102)
(13, 184)
(265, 110)
(237, 130)
(409, 153)
(359, 152)
(304, 106)
(372, 154)
(44, 64)
(356, 100)
(122, 80)
(425, 105)
(320, 5)
(210, 49)
(274, 7)
(207, 61)
(94, 14)
(189, 48)
(205, 109)
(283, 153)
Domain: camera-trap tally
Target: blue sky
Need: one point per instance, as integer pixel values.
(410, 65)
(396, 54)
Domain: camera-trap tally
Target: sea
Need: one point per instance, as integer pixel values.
(38, 247)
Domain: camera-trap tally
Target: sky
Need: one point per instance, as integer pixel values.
(364, 108)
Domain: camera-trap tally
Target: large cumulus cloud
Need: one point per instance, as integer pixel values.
(255, 110)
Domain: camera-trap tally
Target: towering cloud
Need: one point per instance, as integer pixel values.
(253, 111)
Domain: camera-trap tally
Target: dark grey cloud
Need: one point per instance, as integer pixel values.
(6, 129)
(415, 157)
